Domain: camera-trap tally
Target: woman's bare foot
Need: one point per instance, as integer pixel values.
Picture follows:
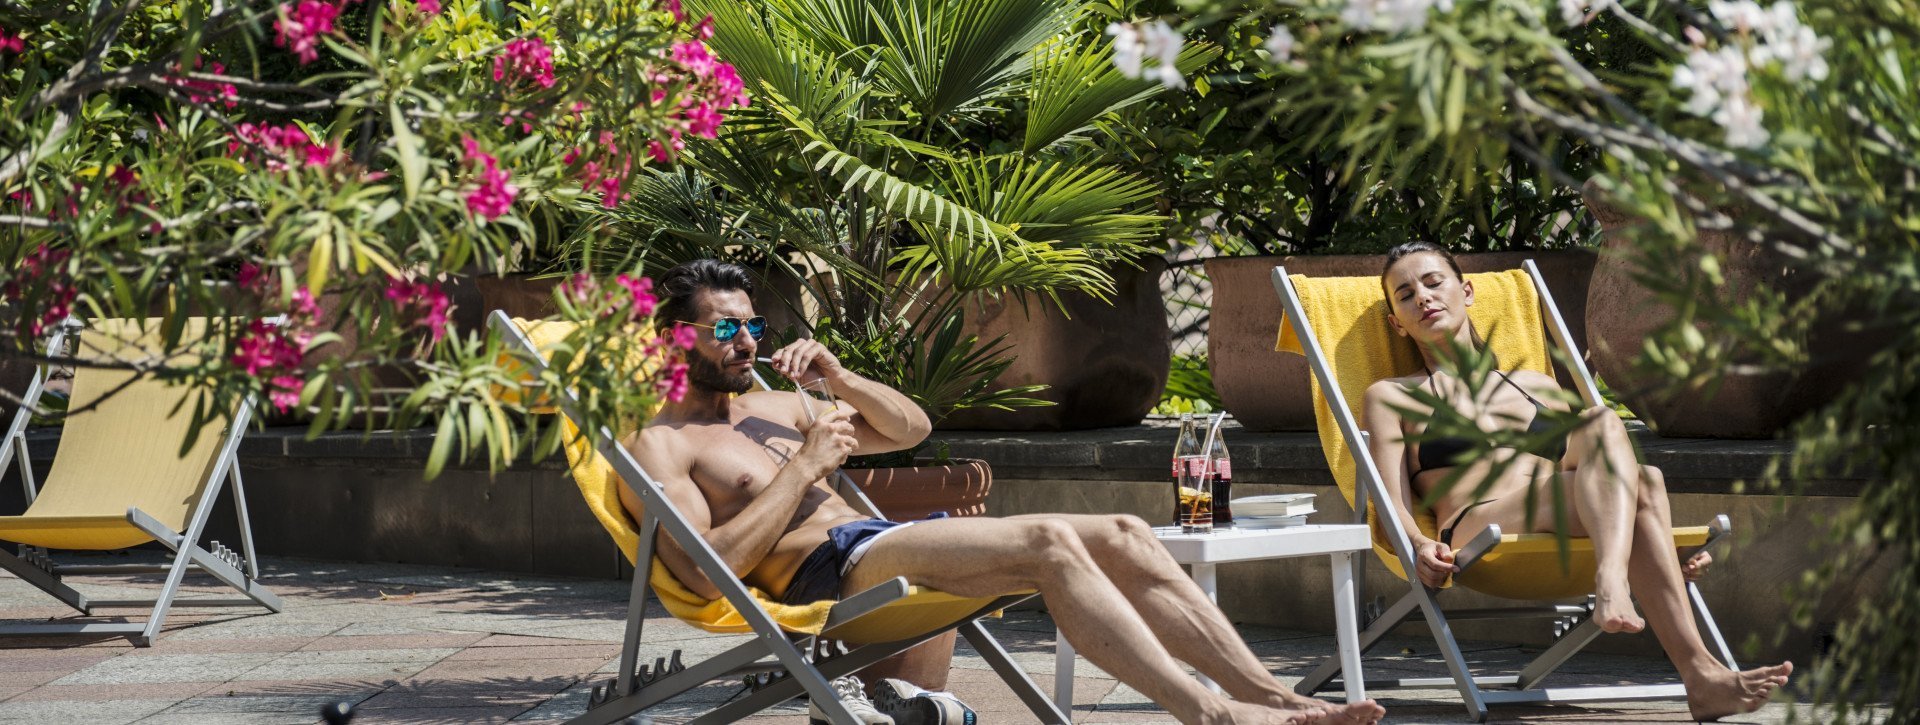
(1723, 692)
(1694, 568)
(1613, 609)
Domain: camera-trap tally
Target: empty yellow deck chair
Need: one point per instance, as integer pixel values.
(806, 643)
(1337, 323)
(118, 480)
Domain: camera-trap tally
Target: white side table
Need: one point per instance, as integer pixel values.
(1202, 552)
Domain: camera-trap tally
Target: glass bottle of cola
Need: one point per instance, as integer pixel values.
(1220, 467)
(1186, 445)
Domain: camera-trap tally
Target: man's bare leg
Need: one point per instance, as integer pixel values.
(926, 665)
(1191, 627)
(1601, 461)
(987, 557)
(1713, 690)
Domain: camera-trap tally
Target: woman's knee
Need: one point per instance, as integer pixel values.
(1653, 486)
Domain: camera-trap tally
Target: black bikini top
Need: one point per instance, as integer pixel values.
(1443, 452)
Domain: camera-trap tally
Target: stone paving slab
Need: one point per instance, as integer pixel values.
(422, 644)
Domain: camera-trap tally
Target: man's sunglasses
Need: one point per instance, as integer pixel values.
(726, 327)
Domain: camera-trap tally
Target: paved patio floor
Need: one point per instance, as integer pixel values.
(431, 644)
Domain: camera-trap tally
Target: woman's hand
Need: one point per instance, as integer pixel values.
(1434, 562)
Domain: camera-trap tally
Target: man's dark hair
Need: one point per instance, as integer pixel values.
(677, 287)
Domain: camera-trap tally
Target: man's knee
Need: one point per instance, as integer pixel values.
(1053, 541)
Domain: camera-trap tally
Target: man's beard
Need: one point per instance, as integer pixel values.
(711, 375)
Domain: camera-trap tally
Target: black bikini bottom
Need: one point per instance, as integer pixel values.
(1446, 534)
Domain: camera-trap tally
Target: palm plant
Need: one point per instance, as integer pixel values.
(902, 158)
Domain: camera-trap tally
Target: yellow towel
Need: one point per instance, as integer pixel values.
(1349, 318)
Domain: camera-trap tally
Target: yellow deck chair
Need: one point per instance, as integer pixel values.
(119, 480)
(1339, 324)
(808, 644)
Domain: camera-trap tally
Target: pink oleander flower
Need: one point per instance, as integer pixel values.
(266, 347)
(725, 89)
(673, 6)
(525, 58)
(693, 55)
(673, 385)
(46, 263)
(283, 392)
(301, 25)
(493, 198)
(663, 152)
(703, 121)
(429, 7)
(426, 301)
(250, 275)
(11, 42)
(686, 336)
(641, 292)
(199, 91)
(580, 288)
(284, 142)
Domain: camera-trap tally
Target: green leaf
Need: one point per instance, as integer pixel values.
(413, 166)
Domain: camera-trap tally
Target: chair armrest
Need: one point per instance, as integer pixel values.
(854, 607)
(1477, 548)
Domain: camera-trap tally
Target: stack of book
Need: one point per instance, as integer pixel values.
(1272, 512)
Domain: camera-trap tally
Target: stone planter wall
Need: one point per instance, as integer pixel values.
(1621, 314)
(1104, 364)
(1267, 390)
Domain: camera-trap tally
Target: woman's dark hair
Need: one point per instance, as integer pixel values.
(677, 287)
(1409, 249)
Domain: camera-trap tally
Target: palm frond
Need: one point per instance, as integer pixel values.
(1075, 83)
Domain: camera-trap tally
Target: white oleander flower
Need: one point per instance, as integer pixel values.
(1745, 16)
(1133, 44)
(1741, 118)
(1801, 53)
(1280, 44)
(1391, 16)
(1164, 44)
(1128, 50)
(1712, 77)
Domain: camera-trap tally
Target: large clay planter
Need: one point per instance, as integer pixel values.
(1621, 314)
(1104, 364)
(959, 488)
(1267, 390)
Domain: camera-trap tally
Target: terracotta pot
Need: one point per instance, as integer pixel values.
(1104, 364)
(910, 494)
(1621, 314)
(1267, 390)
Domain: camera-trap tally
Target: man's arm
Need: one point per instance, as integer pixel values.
(887, 420)
(743, 541)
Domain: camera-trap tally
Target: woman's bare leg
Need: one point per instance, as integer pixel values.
(1713, 690)
(1600, 458)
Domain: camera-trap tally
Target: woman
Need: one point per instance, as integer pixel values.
(1618, 503)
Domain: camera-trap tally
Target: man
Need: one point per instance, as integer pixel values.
(749, 471)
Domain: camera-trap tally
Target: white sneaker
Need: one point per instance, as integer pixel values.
(908, 704)
(854, 696)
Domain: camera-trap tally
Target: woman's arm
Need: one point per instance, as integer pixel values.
(1386, 431)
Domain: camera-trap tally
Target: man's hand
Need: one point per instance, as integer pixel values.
(807, 360)
(830, 439)
(1434, 561)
